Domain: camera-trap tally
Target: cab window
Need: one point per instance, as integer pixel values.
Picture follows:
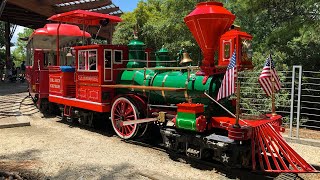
(87, 60)
(117, 56)
(92, 55)
(82, 60)
(107, 58)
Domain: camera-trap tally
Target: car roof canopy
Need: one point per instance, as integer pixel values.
(46, 37)
(84, 17)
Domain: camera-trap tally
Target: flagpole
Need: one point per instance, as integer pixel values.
(273, 98)
(273, 107)
(236, 125)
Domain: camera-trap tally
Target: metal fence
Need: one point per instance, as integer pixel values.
(298, 100)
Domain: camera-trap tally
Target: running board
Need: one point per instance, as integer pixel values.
(274, 154)
(138, 121)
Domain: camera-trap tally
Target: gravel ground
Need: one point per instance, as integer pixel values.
(57, 150)
(60, 151)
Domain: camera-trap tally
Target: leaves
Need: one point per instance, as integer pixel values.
(19, 53)
(160, 23)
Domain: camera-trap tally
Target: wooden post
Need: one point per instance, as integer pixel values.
(273, 110)
(236, 125)
(7, 41)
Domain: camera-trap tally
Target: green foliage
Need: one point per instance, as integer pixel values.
(287, 29)
(19, 53)
(160, 22)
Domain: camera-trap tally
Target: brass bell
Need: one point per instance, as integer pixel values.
(185, 59)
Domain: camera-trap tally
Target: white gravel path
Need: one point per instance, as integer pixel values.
(63, 152)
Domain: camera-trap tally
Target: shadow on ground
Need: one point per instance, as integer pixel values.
(24, 164)
(8, 88)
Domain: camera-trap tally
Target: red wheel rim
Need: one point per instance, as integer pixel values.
(123, 110)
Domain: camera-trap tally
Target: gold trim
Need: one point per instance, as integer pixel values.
(163, 81)
(146, 76)
(162, 68)
(134, 76)
(186, 96)
(149, 88)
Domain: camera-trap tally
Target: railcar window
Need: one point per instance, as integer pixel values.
(82, 60)
(32, 58)
(107, 58)
(117, 57)
(92, 60)
(45, 59)
(28, 63)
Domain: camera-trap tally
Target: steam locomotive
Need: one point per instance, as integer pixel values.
(118, 81)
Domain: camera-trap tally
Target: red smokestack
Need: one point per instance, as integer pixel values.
(207, 23)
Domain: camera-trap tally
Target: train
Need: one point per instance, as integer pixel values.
(69, 74)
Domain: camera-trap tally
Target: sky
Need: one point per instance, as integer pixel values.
(124, 5)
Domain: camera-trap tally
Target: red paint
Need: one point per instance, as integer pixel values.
(190, 108)
(233, 37)
(269, 145)
(123, 111)
(243, 133)
(42, 36)
(61, 83)
(207, 23)
(84, 17)
(38, 76)
(73, 102)
(201, 123)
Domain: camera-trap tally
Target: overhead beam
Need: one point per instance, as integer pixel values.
(84, 6)
(107, 11)
(29, 24)
(30, 15)
(53, 2)
(34, 6)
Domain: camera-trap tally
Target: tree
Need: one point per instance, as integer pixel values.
(287, 29)
(160, 22)
(19, 53)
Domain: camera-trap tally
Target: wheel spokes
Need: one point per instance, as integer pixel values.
(123, 111)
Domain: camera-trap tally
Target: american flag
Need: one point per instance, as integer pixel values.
(228, 86)
(266, 75)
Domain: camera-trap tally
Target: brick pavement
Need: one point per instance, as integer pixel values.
(11, 96)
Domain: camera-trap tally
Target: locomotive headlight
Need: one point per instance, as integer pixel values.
(246, 49)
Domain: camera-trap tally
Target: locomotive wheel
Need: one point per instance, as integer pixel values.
(124, 110)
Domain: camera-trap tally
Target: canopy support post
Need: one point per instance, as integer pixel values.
(58, 44)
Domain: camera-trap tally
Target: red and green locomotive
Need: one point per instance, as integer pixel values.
(118, 81)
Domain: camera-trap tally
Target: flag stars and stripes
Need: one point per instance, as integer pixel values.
(265, 79)
(228, 87)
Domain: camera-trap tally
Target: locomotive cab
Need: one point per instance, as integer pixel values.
(97, 65)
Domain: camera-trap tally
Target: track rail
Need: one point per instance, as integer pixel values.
(232, 173)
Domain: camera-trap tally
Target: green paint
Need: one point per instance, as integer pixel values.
(186, 121)
(175, 79)
(136, 54)
(161, 57)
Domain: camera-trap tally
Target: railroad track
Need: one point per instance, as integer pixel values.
(231, 173)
